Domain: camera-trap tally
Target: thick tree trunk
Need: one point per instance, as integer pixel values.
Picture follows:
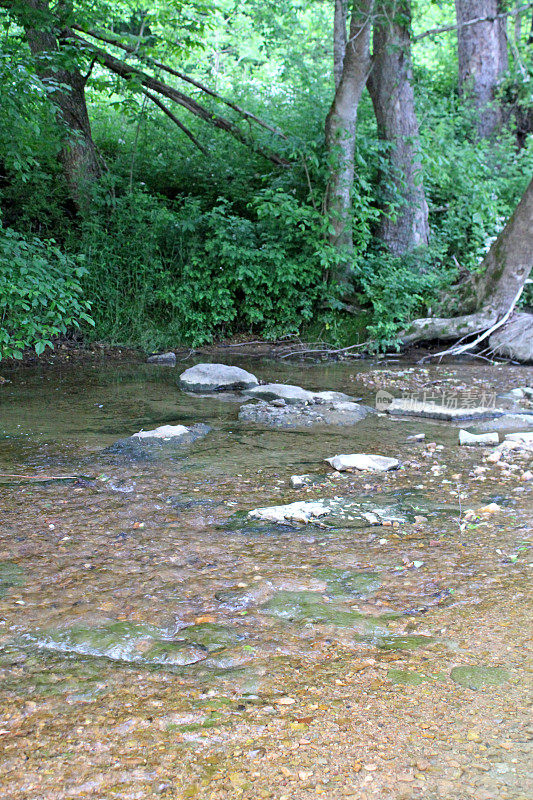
(340, 132)
(482, 55)
(339, 40)
(404, 225)
(503, 273)
(78, 154)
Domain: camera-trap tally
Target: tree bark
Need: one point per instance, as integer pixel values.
(482, 57)
(339, 40)
(404, 225)
(78, 155)
(502, 275)
(340, 132)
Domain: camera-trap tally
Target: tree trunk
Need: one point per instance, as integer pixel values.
(78, 154)
(503, 273)
(482, 56)
(404, 224)
(339, 40)
(340, 132)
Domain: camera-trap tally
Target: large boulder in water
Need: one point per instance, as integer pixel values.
(216, 378)
(515, 338)
(167, 441)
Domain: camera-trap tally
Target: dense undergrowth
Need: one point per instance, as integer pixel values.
(183, 248)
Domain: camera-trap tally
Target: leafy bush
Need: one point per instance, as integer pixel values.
(40, 294)
(157, 276)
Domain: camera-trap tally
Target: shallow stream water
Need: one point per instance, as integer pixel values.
(155, 641)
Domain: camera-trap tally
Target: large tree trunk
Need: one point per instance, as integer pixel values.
(339, 40)
(78, 154)
(502, 276)
(404, 225)
(482, 55)
(340, 132)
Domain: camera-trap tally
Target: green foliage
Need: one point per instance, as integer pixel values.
(399, 289)
(159, 276)
(40, 294)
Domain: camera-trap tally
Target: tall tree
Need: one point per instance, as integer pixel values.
(404, 224)
(340, 131)
(43, 29)
(482, 56)
(339, 39)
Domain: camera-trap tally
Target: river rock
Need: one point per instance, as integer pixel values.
(281, 391)
(420, 408)
(216, 378)
(362, 461)
(515, 339)
(293, 512)
(303, 414)
(507, 422)
(526, 437)
(479, 439)
(165, 441)
(165, 359)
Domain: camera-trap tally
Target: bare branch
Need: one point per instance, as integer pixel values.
(447, 28)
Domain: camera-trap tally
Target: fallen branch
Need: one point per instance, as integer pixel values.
(102, 37)
(131, 73)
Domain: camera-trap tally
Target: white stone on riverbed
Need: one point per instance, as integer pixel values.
(362, 461)
(524, 438)
(297, 481)
(293, 512)
(216, 378)
(163, 432)
(479, 439)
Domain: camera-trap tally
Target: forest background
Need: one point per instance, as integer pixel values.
(183, 172)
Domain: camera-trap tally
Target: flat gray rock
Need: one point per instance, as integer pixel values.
(216, 378)
(480, 439)
(279, 414)
(281, 391)
(508, 422)
(362, 461)
(420, 408)
(292, 394)
(515, 339)
(164, 359)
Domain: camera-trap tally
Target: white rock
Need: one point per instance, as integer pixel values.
(163, 432)
(297, 481)
(362, 461)
(523, 438)
(479, 439)
(293, 512)
(216, 378)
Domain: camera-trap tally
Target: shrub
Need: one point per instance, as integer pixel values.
(40, 294)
